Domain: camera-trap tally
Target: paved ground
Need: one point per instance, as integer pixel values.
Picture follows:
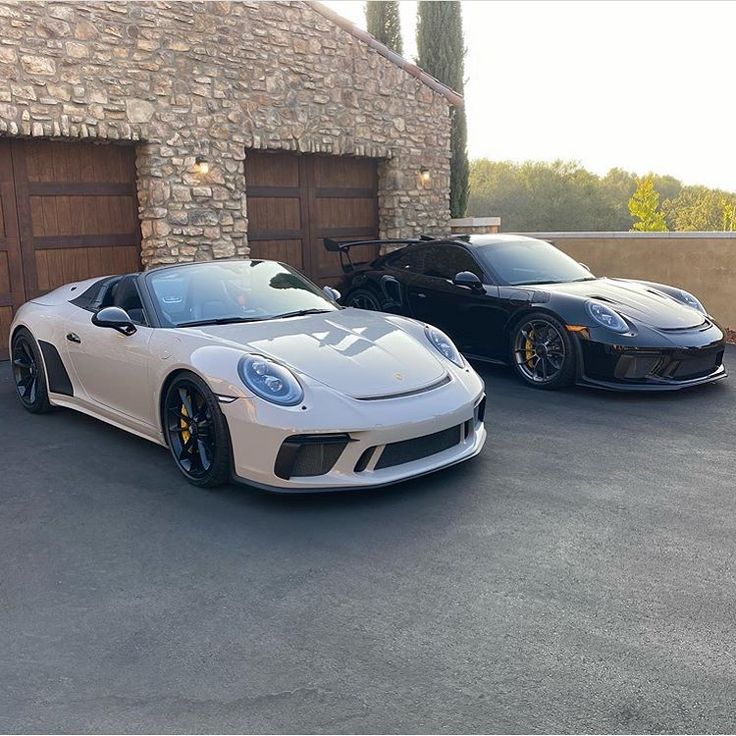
(578, 576)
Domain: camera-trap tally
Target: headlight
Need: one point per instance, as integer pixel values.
(605, 316)
(689, 300)
(270, 381)
(445, 346)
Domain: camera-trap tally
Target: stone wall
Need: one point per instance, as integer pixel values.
(213, 79)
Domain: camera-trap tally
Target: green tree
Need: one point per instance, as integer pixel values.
(540, 196)
(383, 23)
(700, 208)
(644, 205)
(441, 51)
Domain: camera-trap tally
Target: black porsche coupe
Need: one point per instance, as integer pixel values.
(521, 301)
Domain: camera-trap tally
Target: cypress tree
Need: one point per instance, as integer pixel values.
(441, 49)
(382, 20)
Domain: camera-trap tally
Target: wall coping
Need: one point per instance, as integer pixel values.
(629, 235)
(475, 221)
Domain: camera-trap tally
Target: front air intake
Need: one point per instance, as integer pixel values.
(309, 455)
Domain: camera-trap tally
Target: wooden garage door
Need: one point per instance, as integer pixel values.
(70, 212)
(294, 201)
(12, 292)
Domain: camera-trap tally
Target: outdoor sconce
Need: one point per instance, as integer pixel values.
(201, 165)
(423, 179)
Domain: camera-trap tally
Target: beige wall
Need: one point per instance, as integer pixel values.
(702, 263)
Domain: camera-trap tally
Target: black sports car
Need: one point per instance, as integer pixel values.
(521, 301)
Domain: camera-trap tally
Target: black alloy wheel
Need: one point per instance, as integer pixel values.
(363, 299)
(28, 372)
(542, 352)
(196, 432)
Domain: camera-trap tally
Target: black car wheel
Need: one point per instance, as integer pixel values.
(196, 432)
(363, 299)
(29, 374)
(542, 352)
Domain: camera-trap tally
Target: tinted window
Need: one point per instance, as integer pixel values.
(232, 290)
(445, 261)
(530, 261)
(409, 259)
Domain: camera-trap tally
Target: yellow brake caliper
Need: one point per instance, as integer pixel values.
(183, 424)
(529, 349)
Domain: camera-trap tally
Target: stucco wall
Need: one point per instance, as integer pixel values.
(702, 263)
(211, 79)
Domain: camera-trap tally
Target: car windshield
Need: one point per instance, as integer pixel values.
(218, 292)
(530, 261)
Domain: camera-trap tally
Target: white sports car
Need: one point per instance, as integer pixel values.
(248, 371)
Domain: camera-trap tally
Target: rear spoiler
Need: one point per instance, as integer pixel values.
(346, 262)
(344, 248)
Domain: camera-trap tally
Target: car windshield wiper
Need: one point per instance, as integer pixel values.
(301, 313)
(584, 278)
(219, 321)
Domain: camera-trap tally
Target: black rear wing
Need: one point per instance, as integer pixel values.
(346, 262)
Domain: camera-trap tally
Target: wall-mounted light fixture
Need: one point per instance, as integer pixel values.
(423, 178)
(201, 165)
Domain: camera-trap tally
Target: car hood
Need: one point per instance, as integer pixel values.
(641, 303)
(358, 353)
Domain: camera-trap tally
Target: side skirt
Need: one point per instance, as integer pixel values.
(138, 429)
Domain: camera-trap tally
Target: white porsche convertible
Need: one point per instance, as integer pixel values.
(248, 371)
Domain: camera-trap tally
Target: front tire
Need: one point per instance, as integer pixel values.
(363, 299)
(542, 352)
(196, 432)
(29, 373)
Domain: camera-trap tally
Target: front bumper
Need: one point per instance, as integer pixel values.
(360, 444)
(646, 368)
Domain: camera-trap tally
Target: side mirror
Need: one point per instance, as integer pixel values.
(331, 293)
(585, 266)
(114, 318)
(469, 280)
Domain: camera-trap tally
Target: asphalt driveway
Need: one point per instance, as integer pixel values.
(580, 575)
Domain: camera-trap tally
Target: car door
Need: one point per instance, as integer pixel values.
(474, 320)
(114, 369)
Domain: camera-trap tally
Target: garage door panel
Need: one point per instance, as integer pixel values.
(81, 215)
(56, 161)
(267, 169)
(4, 273)
(349, 213)
(287, 251)
(58, 266)
(265, 212)
(344, 172)
(6, 317)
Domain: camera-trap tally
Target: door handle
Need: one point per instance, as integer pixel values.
(73, 337)
(421, 295)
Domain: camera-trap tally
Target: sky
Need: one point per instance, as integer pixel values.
(645, 86)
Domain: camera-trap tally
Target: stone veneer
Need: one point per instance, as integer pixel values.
(212, 79)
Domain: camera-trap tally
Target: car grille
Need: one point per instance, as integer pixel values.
(398, 453)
